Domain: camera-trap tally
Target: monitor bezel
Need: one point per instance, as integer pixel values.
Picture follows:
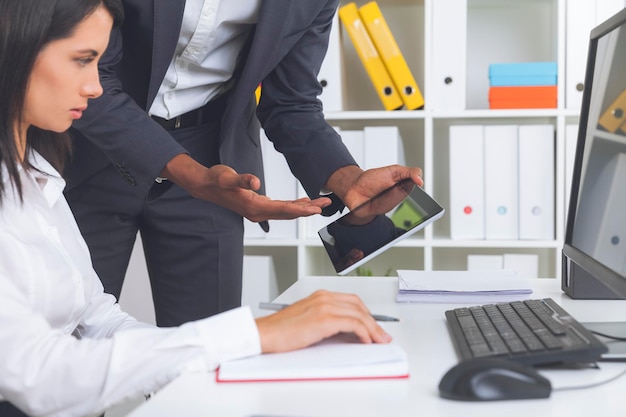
(583, 276)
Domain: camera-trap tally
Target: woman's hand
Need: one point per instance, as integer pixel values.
(317, 317)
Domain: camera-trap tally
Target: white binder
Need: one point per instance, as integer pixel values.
(449, 51)
(383, 146)
(355, 142)
(525, 265)
(581, 17)
(330, 75)
(280, 184)
(536, 181)
(259, 283)
(467, 187)
(501, 187)
(485, 262)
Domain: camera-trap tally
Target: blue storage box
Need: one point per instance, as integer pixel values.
(523, 74)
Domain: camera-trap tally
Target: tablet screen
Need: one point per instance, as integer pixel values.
(617, 348)
(377, 224)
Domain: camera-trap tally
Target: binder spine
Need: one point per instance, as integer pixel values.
(391, 55)
(367, 52)
(615, 115)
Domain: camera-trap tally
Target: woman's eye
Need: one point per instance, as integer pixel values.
(85, 61)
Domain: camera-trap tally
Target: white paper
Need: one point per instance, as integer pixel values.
(461, 286)
(339, 357)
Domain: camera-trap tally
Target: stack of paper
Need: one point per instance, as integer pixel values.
(339, 357)
(467, 287)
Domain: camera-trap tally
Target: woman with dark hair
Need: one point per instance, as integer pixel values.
(66, 349)
(26, 27)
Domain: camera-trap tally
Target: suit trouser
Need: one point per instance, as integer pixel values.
(193, 248)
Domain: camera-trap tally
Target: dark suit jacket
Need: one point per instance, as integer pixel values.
(284, 53)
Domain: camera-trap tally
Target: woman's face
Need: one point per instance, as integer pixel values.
(65, 75)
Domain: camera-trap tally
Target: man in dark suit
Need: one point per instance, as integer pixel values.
(172, 150)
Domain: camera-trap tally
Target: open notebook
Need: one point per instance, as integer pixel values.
(336, 358)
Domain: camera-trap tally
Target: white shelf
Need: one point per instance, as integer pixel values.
(504, 244)
(369, 115)
(375, 115)
(497, 31)
(273, 242)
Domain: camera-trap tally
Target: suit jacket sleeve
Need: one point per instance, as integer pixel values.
(292, 115)
(117, 125)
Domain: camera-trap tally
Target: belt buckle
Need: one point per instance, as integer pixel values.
(177, 122)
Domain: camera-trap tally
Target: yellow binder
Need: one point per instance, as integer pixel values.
(349, 16)
(391, 55)
(615, 115)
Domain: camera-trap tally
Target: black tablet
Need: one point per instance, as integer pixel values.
(617, 348)
(377, 224)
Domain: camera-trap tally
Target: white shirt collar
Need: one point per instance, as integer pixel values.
(46, 177)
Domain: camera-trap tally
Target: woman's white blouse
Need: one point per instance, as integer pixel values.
(66, 348)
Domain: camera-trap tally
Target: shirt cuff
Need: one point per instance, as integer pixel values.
(229, 335)
(335, 206)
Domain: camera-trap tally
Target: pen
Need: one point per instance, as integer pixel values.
(276, 306)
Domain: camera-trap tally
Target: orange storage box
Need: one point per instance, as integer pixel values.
(526, 97)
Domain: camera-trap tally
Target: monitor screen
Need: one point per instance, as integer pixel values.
(594, 251)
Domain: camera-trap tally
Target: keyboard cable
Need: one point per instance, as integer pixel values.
(608, 336)
(595, 384)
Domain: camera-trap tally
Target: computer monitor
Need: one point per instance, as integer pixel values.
(594, 250)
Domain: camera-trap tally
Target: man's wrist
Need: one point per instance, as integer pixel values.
(184, 171)
(342, 180)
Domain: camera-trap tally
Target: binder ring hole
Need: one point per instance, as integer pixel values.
(618, 113)
(447, 80)
(387, 91)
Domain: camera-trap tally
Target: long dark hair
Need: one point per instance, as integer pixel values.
(26, 27)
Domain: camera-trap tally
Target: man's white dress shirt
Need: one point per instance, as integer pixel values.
(66, 348)
(212, 34)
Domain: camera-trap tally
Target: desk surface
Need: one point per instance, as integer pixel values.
(199, 395)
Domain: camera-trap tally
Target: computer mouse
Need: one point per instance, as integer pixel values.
(491, 379)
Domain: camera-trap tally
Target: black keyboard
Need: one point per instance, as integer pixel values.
(531, 332)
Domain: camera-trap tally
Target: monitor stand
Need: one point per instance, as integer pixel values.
(578, 283)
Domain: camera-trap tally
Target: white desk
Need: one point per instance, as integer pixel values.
(199, 395)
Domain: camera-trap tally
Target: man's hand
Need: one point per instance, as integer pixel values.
(379, 205)
(317, 317)
(355, 186)
(222, 185)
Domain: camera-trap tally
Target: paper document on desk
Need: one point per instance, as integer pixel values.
(473, 287)
(339, 357)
